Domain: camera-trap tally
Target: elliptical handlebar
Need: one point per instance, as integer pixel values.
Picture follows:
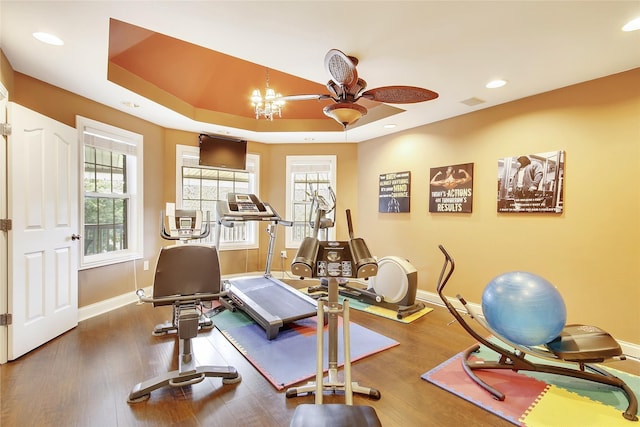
(349, 224)
(447, 270)
(444, 274)
(205, 230)
(321, 207)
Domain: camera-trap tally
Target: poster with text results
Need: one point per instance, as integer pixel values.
(451, 189)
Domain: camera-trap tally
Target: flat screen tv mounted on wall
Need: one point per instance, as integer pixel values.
(222, 152)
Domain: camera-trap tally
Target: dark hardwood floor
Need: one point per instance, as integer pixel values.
(83, 378)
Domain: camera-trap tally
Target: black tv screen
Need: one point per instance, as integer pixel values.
(221, 152)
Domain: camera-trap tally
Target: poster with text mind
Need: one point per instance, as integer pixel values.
(394, 192)
(451, 189)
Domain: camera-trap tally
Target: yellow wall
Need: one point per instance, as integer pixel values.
(591, 252)
(6, 73)
(272, 189)
(98, 284)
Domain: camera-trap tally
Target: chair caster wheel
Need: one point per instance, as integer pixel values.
(375, 394)
(291, 393)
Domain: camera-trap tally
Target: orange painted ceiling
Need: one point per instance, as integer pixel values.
(197, 81)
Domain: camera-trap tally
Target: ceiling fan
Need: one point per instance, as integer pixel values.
(346, 88)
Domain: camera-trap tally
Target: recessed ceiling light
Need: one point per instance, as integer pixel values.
(389, 126)
(632, 25)
(495, 84)
(48, 38)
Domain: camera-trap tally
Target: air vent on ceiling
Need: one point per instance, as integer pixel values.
(473, 101)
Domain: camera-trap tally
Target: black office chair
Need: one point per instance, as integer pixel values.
(572, 354)
(334, 415)
(186, 276)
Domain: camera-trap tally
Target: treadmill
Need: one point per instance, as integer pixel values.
(269, 302)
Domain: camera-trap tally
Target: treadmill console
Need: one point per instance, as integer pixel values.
(246, 205)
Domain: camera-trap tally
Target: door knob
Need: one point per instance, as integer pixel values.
(75, 237)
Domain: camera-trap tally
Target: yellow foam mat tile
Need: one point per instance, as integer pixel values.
(562, 408)
(390, 314)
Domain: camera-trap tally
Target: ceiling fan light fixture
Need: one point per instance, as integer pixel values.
(345, 113)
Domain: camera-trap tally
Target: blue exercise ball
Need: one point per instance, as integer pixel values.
(524, 308)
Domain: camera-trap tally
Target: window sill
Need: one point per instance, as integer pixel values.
(110, 261)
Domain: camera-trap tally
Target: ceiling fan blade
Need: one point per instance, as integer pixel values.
(340, 67)
(399, 94)
(303, 97)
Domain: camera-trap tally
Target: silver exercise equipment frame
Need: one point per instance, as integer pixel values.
(333, 260)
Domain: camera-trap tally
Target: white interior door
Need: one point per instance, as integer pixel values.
(43, 205)
(4, 95)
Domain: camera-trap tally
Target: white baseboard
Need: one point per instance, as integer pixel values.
(631, 350)
(105, 306)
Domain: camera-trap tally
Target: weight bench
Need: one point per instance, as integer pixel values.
(572, 354)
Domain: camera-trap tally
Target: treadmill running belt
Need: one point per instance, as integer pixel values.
(270, 302)
(273, 297)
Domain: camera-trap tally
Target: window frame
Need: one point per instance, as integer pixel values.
(134, 143)
(253, 161)
(293, 162)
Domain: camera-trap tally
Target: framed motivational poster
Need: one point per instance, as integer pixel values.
(451, 189)
(394, 192)
(531, 183)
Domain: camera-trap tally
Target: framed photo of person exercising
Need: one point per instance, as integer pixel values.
(531, 183)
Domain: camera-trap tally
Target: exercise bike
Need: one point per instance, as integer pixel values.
(187, 277)
(396, 283)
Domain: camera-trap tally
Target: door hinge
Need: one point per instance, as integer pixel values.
(5, 129)
(6, 319)
(5, 224)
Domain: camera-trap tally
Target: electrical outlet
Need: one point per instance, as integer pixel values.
(145, 265)
(283, 254)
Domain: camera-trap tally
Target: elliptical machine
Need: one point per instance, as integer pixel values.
(332, 260)
(396, 283)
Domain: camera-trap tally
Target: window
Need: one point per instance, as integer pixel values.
(305, 175)
(199, 187)
(112, 196)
